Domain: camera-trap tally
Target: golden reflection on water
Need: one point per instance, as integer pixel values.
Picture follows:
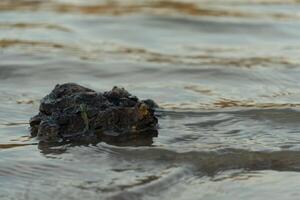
(227, 103)
(203, 57)
(153, 7)
(34, 26)
(5, 43)
(9, 146)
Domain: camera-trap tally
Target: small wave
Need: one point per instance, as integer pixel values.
(199, 89)
(204, 57)
(227, 103)
(26, 101)
(5, 43)
(34, 26)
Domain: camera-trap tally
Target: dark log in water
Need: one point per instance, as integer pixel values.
(73, 112)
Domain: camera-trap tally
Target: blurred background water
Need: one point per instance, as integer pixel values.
(225, 73)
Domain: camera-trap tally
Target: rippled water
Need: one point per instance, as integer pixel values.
(225, 73)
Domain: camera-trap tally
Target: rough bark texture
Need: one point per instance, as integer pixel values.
(72, 111)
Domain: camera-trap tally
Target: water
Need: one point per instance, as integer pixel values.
(225, 73)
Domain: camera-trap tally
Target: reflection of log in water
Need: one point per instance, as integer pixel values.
(210, 163)
(9, 146)
(145, 139)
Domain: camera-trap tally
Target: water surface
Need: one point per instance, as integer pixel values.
(225, 73)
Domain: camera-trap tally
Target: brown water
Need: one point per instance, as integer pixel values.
(226, 74)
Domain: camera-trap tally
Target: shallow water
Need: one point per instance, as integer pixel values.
(225, 73)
